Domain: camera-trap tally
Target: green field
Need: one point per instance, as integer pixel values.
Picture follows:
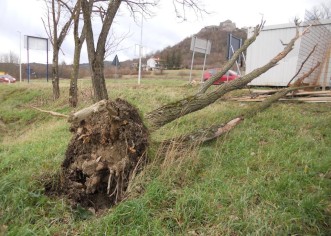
(271, 175)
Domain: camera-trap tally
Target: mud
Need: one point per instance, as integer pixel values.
(106, 150)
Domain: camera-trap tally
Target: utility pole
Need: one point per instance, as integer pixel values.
(20, 57)
(140, 47)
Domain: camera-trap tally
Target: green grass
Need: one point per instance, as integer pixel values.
(271, 175)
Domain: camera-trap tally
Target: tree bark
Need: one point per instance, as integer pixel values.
(56, 40)
(96, 54)
(170, 112)
(233, 59)
(79, 40)
(215, 131)
(55, 73)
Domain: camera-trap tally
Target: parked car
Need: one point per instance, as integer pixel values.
(7, 79)
(228, 76)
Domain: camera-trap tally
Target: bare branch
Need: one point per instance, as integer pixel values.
(113, 43)
(311, 52)
(193, 5)
(163, 115)
(234, 58)
(53, 113)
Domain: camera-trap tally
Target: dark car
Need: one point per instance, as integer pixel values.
(228, 76)
(7, 79)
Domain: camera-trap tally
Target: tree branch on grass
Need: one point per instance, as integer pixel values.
(233, 59)
(170, 112)
(53, 113)
(215, 131)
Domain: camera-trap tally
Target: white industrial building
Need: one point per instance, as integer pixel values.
(272, 40)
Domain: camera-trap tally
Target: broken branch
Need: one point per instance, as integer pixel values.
(53, 113)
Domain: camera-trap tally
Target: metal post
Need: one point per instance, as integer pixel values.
(20, 57)
(27, 50)
(140, 47)
(204, 61)
(47, 60)
(236, 61)
(192, 59)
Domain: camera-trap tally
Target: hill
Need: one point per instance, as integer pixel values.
(217, 34)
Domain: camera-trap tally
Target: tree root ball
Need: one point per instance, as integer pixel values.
(107, 149)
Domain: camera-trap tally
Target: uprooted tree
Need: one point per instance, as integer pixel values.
(57, 27)
(110, 139)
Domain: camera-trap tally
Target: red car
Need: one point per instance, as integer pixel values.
(228, 76)
(7, 79)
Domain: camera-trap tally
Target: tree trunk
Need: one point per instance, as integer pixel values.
(55, 74)
(51, 27)
(73, 90)
(96, 54)
(213, 132)
(165, 114)
(233, 59)
(98, 79)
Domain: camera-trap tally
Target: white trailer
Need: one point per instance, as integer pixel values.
(272, 40)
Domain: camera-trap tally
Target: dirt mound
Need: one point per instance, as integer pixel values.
(108, 147)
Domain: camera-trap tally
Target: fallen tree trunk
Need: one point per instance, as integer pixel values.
(170, 112)
(215, 131)
(233, 59)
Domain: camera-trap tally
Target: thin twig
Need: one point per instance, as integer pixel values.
(53, 113)
(312, 51)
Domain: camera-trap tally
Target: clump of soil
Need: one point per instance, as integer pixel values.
(107, 149)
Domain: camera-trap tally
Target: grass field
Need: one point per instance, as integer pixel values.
(271, 175)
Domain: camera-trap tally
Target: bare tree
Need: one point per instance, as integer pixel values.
(96, 51)
(79, 38)
(57, 24)
(13, 58)
(322, 11)
(10, 57)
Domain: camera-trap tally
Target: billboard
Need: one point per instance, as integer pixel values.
(36, 43)
(200, 45)
(234, 44)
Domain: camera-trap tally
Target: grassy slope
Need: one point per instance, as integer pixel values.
(269, 176)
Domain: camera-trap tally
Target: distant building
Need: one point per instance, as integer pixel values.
(228, 25)
(153, 63)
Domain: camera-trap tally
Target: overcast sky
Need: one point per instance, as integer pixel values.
(23, 17)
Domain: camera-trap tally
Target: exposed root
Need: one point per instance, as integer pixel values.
(108, 147)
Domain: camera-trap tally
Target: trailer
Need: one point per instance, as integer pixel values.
(273, 39)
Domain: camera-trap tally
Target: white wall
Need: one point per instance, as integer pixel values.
(267, 45)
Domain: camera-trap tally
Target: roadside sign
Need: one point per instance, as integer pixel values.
(200, 45)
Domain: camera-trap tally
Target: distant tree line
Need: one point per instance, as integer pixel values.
(172, 59)
(9, 58)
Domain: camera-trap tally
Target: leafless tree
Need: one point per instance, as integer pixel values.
(79, 38)
(57, 24)
(107, 10)
(10, 57)
(322, 11)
